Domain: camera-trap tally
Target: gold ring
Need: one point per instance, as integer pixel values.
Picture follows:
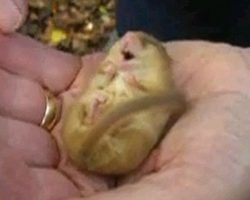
(51, 112)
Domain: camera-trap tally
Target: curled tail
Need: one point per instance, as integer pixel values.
(173, 101)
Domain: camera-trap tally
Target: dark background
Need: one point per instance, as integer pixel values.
(220, 20)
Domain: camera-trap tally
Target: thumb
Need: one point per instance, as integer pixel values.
(12, 14)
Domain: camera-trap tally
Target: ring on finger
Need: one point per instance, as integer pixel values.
(51, 111)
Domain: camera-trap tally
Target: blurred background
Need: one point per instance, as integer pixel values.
(76, 26)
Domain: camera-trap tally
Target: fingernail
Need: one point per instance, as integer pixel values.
(10, 16)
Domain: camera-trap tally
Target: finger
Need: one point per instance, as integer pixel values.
(188, 56)
(53, 185)
(201, 68)
(12, 14)
(32, 143)
(21, 98)
(51, 68)
(17, 180)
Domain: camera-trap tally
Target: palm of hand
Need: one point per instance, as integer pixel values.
(205, 151)
(205, 155)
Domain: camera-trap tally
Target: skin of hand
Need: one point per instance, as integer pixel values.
(12, 14)
(29, 155)
(204, 156)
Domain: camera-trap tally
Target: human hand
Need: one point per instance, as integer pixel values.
(12, 14)
(29, 155)
(204, 155)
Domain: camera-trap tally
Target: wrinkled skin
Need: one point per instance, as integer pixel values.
(205, 156)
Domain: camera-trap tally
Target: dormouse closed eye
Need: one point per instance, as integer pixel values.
(127, 55)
